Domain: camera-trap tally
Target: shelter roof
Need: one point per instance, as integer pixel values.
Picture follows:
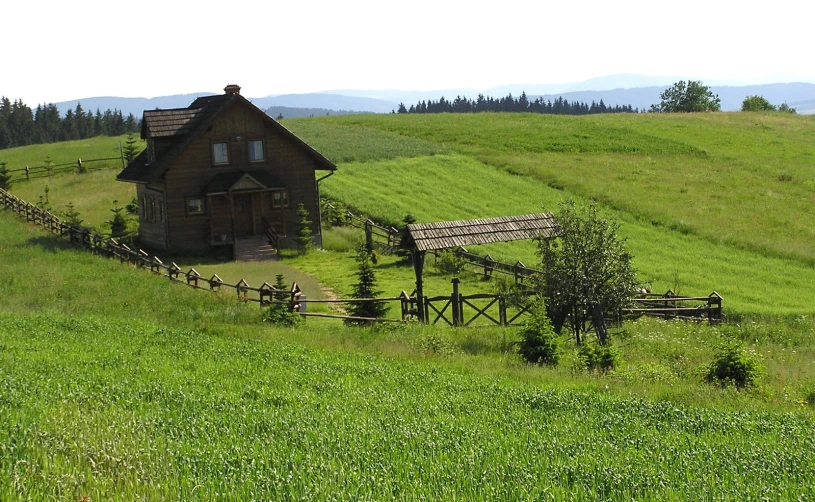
(452, 234)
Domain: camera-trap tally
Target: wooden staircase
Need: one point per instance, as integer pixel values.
(254, 248)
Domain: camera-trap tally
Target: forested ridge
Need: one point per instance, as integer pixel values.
(21, 126)
(521, 104)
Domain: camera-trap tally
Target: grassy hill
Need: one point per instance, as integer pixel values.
(710, 201)
(115, 384)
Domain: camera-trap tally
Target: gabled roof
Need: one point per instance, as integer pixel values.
(187, 124)
(242, 180)
(452, 234)
(173, 122)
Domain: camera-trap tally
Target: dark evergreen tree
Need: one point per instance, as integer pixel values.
(131, 148)
(305, 241)
(5, 177)
(365, 288)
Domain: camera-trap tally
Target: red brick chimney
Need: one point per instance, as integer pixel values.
(232, 89)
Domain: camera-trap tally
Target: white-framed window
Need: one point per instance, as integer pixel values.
(195, 206)
(256, 151)
(220, 153)
(280, 198)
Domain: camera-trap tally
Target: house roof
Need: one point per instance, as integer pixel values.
(452, 234)
(238, 180)
(187, 124)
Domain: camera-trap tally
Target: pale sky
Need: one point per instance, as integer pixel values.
(60, 50)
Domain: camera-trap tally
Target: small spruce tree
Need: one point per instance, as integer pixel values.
(130, 148)
(278, 313)
(304, 237)
(118, 223)
(365, 288)
(5, 177)
(72, 215)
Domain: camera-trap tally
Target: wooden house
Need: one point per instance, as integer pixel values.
(221, 172)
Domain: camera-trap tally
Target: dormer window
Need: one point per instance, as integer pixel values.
(256, 151)
(220, 153)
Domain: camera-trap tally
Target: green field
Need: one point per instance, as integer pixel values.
(117, 385)
(126, 386)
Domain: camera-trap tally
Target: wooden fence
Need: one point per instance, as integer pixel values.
(672, 306)
(265, 295)
(46, 171)
(389, 238)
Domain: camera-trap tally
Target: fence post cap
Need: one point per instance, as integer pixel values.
(192, 273)
(714, 294)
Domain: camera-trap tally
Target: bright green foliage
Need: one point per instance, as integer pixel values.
(756, 103)
(596, 357)
(785, 108)
(733, 365)
(72, 215)
(587, 270)
(305, 239)
(365, 288)
(449, 263)
(131, 149)
(118, 223)
(278, 313)
(686, 97)
(5, 177)
(539, 342)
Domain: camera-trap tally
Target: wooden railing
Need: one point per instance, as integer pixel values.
(269, 232)
(28, 173)
(672, 306)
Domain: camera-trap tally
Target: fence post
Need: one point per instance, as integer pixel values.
(455, 301)
(502, 310)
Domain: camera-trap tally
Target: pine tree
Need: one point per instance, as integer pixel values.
(365, 288)
(118, 224)
(304, 237)
(5, 177)
(72, 215)
(130, 149)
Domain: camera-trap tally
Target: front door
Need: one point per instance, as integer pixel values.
(243, 221)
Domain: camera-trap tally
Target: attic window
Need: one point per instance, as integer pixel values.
(220, 153)
(255, 151)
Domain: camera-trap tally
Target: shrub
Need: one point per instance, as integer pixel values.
(365, 288)
(449, 263)
(596, 357)
(539, 342)
(278, 313)
(732, 364)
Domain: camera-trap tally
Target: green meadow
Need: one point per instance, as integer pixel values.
(119, 385)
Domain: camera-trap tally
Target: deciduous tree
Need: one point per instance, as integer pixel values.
(587, 271)
(686, 97)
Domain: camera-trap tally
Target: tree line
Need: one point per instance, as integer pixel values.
(21, 126)
(521, 104)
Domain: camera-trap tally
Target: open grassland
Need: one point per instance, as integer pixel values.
(139, 411)
(743, 231)
(744, 179)
(119, 385)
(65, 152)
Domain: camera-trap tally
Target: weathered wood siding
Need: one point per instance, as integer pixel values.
(152, 217)
(193, 170)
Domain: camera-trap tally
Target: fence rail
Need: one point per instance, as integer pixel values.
(265, 295)
(28, 173)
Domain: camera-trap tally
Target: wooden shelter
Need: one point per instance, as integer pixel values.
(221, 172)
(425, 237)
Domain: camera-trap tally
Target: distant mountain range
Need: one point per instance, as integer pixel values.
(637, 90)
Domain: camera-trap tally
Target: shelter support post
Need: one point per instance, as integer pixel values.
(418, 266)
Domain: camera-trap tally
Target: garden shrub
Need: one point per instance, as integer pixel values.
(733, 365)
(596, 357)
(539, 342)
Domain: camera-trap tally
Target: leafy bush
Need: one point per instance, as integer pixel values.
(732, 364)
(595, 357)
(539, 342)
(449, 263)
